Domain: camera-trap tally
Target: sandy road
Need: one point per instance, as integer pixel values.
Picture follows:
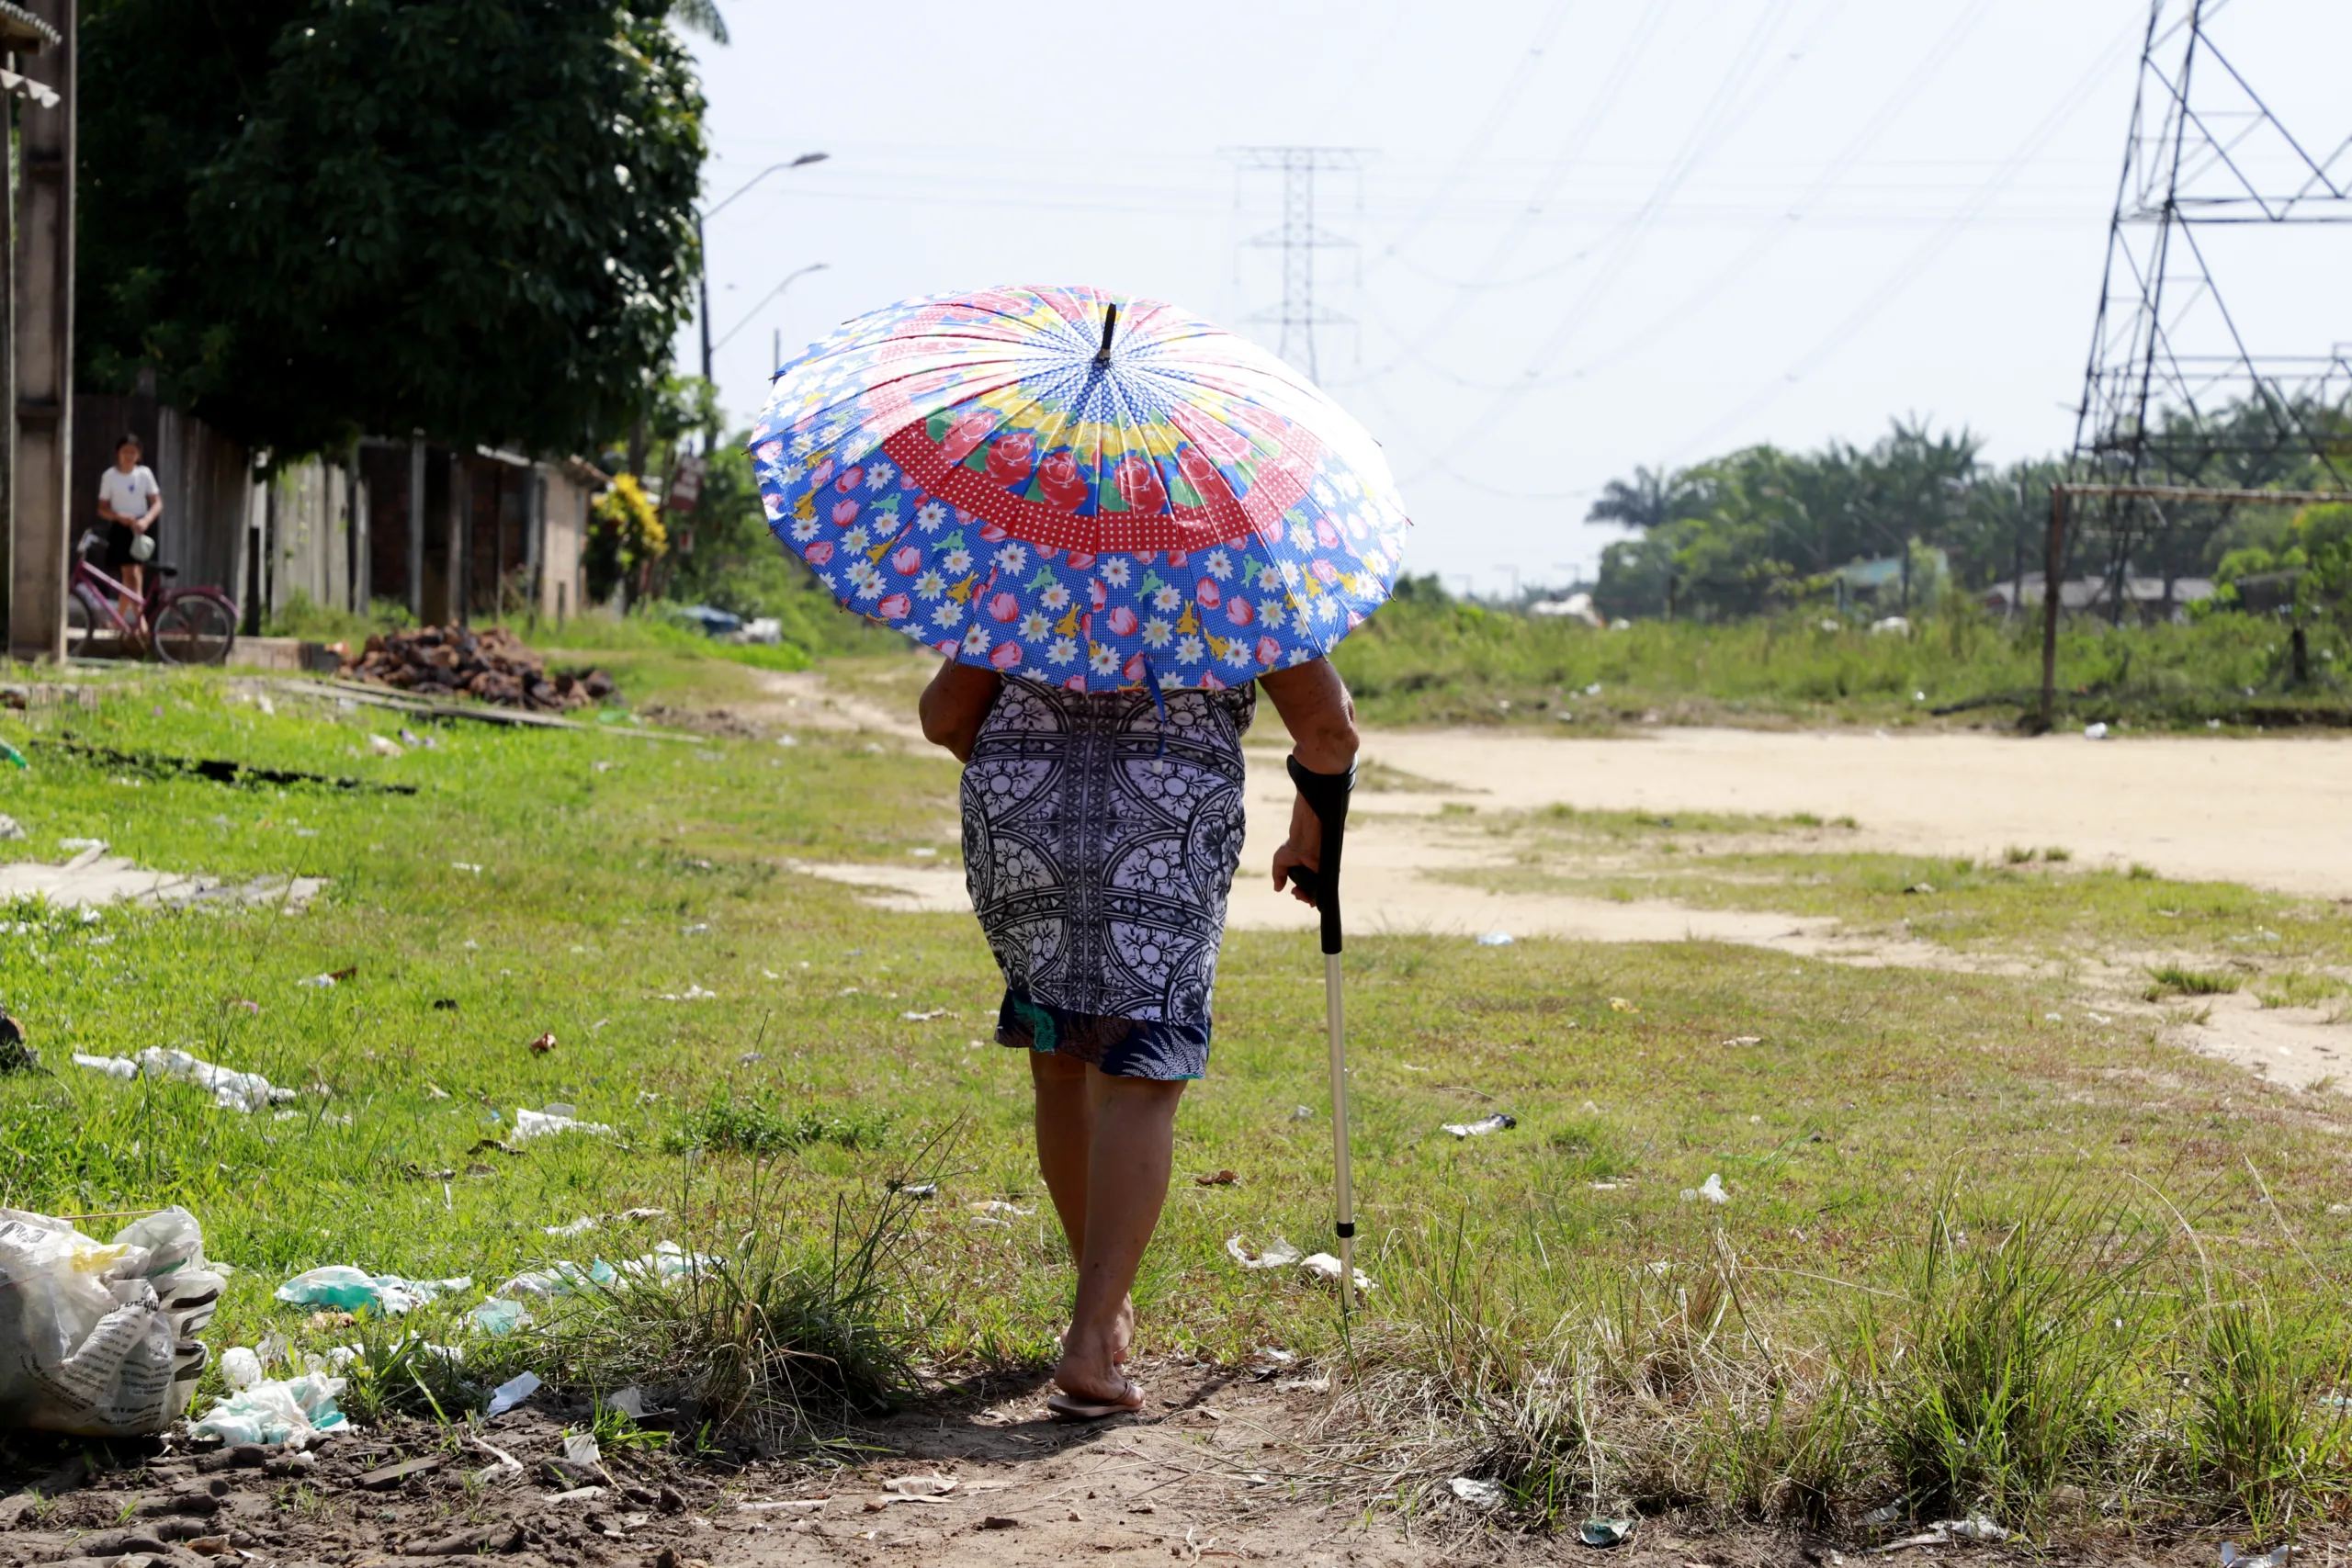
(2268, 813)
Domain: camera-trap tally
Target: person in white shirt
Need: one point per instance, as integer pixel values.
(131, 500)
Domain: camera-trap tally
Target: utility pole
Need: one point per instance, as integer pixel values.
(1298, 239)
(41, 523)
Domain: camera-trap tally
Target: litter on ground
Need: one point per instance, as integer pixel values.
(1711, 1191)
(105, 1336)
(512, 1393)
(342, 1288)
(529, 1125)
(1478, 1493)
(1604, 1532)
(1496, 939)
(231, 1091)
(288, 1412)
(1500, 1122)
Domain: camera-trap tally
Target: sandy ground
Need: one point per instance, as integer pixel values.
(2248, 810)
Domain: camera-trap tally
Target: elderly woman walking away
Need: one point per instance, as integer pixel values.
(1100, 833)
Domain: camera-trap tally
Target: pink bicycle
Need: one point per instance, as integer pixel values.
(184, 626)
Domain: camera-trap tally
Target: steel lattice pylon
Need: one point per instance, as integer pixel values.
(1298, 239)
(2174, 393)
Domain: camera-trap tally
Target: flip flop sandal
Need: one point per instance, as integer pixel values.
(1070, 1407)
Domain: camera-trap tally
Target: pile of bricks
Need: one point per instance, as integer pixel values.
(491, 664)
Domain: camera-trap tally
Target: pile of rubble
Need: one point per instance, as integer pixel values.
(491, 664)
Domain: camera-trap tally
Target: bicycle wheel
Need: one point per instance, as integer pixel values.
(81, 625)
(195, 630)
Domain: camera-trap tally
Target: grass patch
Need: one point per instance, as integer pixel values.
(760, 1127)
(2177, 980)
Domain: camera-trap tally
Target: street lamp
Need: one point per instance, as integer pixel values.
(703, 255)
(773, 294)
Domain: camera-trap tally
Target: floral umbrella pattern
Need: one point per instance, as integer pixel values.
(1084, 488)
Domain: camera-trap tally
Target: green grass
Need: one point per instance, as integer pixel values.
(1558, 1314)
(1427, 661)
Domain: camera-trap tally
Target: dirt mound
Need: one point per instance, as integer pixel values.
(491, 664)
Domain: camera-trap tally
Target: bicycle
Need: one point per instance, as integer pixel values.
(183, 626)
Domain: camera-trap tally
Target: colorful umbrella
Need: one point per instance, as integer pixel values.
(1082, 488)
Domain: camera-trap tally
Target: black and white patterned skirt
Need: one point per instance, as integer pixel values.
(1101, 834)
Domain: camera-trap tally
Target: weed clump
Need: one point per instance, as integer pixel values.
(761, 1128)
(2177, 980)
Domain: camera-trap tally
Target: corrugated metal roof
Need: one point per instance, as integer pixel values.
(24, 32)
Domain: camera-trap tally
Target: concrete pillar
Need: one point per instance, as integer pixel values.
(457, 505)
(41, 514)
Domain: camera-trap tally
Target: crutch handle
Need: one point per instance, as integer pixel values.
(1326, 795)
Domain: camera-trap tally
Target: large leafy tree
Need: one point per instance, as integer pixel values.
(314, 218)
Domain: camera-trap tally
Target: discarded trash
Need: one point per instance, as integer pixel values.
(926, 1017)
(529, 1125)
(914, 1486)
(103, 1337)
(1921, 888)
(1498, 1122)
(2095, 732)
(1943, 1532)
(999, 1206)
(1618, 1004)
(1323, 1266)
(385, 746)
(230, 1091)
(691, 994)
(580, 1448)
(240, 1368)
(497, 1317)
(2276, 1557)
(507, 1464)
(343, 1287)
(1745, 1039)
(916, 1188)
(544, 1044)
(1605, 1532)
(1217, 1178)
(10, 827)
(629, 1402)
(666, 1261)
(13, 755)
(1278, 1254)
(286, 1413)
(579, 1226)
(16, 1057)
(512, 1393)
(1496, 939)
(1478, 1493)
(76, 846)
(1711, 1189)
(1301, 1114)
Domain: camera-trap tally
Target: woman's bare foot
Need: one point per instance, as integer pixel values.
(1089, 1369)
(1124, 1333)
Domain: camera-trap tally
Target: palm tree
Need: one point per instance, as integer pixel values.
(1654, 498)
(699, 16)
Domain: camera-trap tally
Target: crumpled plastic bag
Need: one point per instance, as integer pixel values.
(342, 1288)
(529, 1125)
(288, 1412)
(99, 1338)
(231, 1091)
(667, 1261)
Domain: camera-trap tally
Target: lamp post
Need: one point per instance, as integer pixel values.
(703, 255)
(773, 294)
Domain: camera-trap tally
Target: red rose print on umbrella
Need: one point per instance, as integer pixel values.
(1139, 485)
(1062, 484)
(1010, 456)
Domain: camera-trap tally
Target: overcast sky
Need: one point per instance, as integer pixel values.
(1580, 234)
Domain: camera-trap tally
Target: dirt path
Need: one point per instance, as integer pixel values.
(2257, 811)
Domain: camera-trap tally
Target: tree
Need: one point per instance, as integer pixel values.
(468, 217)
(1654, 498)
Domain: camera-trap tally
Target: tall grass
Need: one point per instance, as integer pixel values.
(2034, 1367)
(1424, 661)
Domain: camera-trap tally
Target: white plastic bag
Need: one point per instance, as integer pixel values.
(99, 1338)
(290, 1411)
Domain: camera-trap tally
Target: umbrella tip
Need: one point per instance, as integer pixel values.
(1109, 325)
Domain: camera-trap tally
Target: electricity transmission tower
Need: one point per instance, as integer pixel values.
(2185, 413)
(1298, 239)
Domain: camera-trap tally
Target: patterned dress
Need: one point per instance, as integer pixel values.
(1100, 842)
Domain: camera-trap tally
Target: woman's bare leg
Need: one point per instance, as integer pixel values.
(1065, 1120)
(1132, 1151)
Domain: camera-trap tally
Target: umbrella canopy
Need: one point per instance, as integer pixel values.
(1078, 487)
